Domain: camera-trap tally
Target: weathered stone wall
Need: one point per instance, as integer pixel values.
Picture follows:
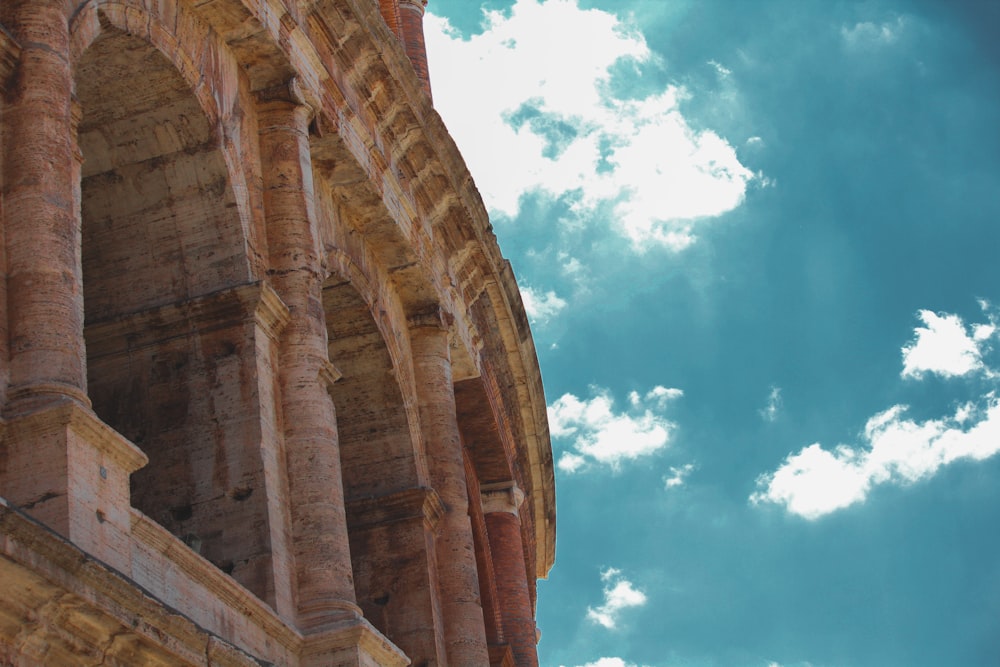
(263, 370)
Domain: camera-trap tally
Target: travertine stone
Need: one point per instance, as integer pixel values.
(501, 503)
(41, 213)
(239, 230)
(392, 544)
(319, 525)
(66, 468)
(465, 634)
(411, 21)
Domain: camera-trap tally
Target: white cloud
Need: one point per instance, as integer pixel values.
(945, 347)
(893, 448)
(678, 475)
(719, 68)
(866, 35)
(609, 662)
(619, 595)
(770, 411)
(599, 435)
(543, 117)
(541, 306)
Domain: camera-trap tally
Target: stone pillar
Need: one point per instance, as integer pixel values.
(461, 610)
(390, 12)
(503, 524)
(42, 214)
(319, 525)
(411, 15)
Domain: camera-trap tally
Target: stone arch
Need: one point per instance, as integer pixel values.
(164, 222)
(377, 445)
(172, 317)
(214, 78)
(391, 511)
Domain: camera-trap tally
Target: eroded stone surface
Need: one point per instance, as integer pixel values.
(260, 356)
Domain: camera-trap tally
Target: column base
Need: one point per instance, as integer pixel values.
(351, 643)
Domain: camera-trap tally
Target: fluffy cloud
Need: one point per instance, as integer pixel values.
(541, 306)
(945, 346)
(547, 115)
(770, 411)
(678, 475)
(894, 448)
(619, 595)
(599, 435)
(609, 662)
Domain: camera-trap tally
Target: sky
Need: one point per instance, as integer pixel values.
(757, 242)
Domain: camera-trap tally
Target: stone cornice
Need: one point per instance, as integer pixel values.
(419, 502)
(210, 312)
(86, 424)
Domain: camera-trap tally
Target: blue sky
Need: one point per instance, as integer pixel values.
(757, 240)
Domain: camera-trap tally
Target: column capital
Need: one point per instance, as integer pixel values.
(290, 92)
(435, 317)
(419, 5)
(502, 497)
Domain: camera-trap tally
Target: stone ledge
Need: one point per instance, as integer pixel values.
(201, 314)
(49, 582)
(420, 502)
(223, 589)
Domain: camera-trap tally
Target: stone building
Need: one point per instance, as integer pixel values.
(268, 391)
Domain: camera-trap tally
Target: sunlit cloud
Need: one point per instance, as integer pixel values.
(678, 475)
(770, 411)
(619, 594)
(596, 434)
(945, 346)
(894, 448)
(609, 662)
(556, 113)
(541, 306)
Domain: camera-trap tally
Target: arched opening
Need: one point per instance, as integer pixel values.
(390, 512)
(169, 307)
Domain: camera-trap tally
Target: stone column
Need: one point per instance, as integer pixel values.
(390, 13)
(461, 609)
(503, 524)
(411, 18)
(319, 525)
(42, 214)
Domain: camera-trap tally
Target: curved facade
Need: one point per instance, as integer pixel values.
(269, 393)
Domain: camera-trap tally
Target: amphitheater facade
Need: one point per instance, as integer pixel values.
(269, 395)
